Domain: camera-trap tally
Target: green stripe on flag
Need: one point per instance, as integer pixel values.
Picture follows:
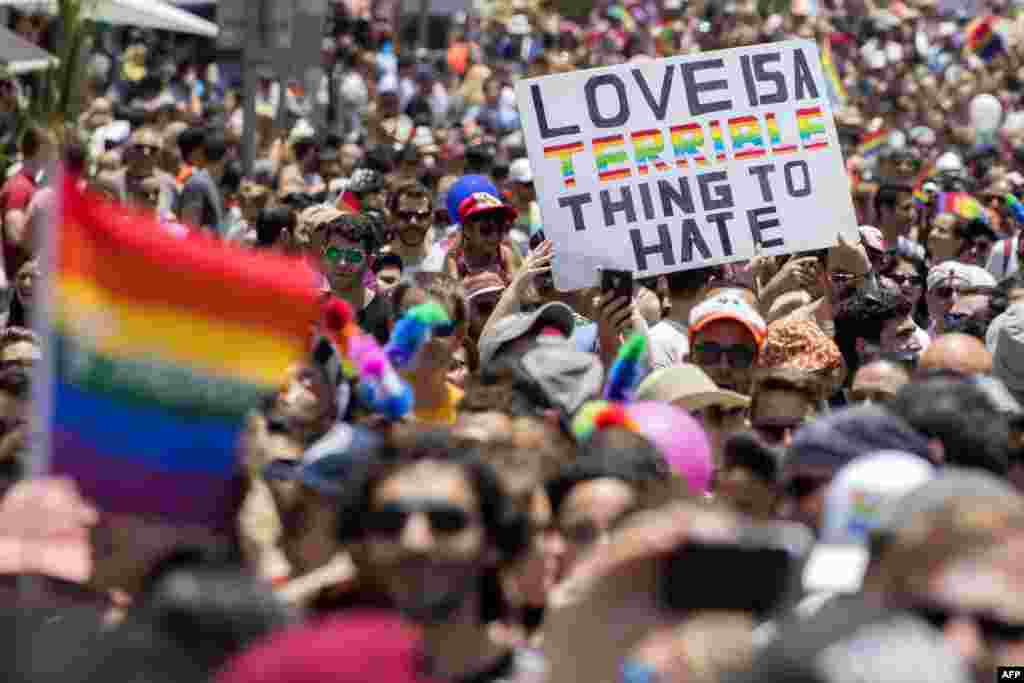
(149, 382)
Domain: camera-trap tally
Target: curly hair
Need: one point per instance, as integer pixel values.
(351, 227)
(404, 448)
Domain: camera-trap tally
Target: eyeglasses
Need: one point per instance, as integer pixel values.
(146, 149)
(903, 280)
(992, 628)
(738, 356)
(414, 216)
(391, 519)
(335, 255)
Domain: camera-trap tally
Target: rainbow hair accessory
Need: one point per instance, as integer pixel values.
(380, 387)
(1016, 207)
(594, 416)
(626, 372)
(413, 331)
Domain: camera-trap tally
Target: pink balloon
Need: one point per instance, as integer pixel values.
(679, 438)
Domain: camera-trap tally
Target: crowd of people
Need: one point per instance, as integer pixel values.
(815, 475)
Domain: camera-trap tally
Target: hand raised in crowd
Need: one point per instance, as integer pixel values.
(536, 263)
(617, 317)
(800, 273)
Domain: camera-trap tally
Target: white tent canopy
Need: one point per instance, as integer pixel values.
(19, 56)
(143, 13)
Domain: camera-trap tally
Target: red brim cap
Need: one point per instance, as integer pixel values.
(479, 202)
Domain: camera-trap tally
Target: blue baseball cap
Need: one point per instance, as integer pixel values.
(473, 194)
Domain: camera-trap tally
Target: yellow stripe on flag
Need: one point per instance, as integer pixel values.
(125, 329)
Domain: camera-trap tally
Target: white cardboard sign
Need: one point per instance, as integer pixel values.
(686, 162)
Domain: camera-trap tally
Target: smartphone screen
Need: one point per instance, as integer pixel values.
(726, 577)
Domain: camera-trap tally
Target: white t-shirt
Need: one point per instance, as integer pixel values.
(999, 265)
(670, 344)
(432, 263)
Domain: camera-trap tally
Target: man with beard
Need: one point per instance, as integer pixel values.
(430, 527)
(411, 208)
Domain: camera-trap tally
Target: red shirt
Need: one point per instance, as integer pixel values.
(17, 192)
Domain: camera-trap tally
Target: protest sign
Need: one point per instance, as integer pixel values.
(686, 162)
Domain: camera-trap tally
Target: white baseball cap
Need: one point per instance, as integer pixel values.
(519, 171)
(855, 501)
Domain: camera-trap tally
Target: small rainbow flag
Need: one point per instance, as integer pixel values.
(836, 90)
(960, 203)
(161, 347)
(982, 38)
(872, 144)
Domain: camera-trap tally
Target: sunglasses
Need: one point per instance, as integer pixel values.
(992, 629)
(391, 519)
(151, 197)
(864, 395)
(801, 486)
(945, 293)
(774, 432)
(738, 356)
(490, 226)
(718, 415)
(906, 280)
(840, 278)
(352, 257)
(414, 216)
(912, 162)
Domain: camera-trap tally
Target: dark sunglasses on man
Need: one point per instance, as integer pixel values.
(992, 628)
(390, 519)
(737, 356)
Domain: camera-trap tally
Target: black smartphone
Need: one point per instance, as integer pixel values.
(618, 281)
(759, 574)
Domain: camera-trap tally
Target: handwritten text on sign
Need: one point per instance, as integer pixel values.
(686, 162)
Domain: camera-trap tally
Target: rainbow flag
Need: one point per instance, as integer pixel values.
(836, 90)
(961, 204)
(982, 38)
(872, 144)
(161, 346)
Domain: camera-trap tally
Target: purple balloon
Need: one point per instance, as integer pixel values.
(679, 438)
